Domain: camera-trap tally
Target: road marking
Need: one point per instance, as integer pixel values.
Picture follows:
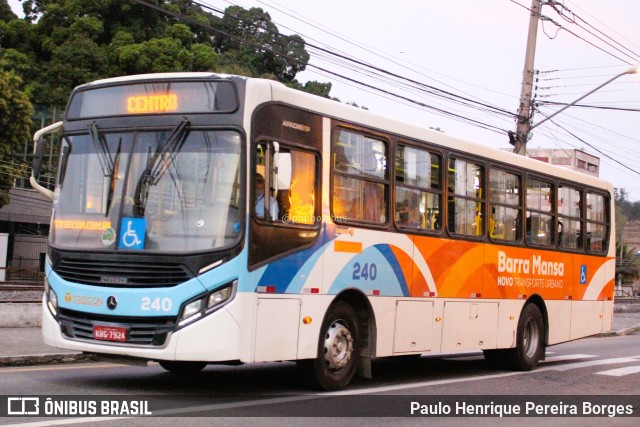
(579, 365)
(567, 357)
(231, 405)
(619, 372)
(548, 359)
(421, 384)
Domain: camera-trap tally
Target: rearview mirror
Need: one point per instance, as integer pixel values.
(38, 152)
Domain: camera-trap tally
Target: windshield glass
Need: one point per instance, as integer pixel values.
(107, 198)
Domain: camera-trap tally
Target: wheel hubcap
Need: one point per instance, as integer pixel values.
(531, 338)
(338, 346)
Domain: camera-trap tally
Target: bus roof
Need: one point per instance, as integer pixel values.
(153, 76)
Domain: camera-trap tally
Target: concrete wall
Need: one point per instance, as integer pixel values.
(20, 315)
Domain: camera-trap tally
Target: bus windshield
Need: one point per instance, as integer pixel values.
(169, 191)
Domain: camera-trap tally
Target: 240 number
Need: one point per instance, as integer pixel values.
(156, 304)
(365, 272)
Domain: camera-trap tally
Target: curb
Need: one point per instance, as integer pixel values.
(45, 359)
(626, 331)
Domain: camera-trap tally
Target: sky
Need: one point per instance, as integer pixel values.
(476, 49)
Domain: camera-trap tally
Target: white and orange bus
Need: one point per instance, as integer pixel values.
(375, 238)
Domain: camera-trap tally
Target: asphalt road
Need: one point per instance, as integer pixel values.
(584, 369)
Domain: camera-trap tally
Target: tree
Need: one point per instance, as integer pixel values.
(627, 263)
(60, 44)
(6, 14)
(15, 122)
(250, 39)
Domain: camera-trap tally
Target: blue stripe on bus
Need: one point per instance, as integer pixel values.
(287, 271)
(395, 265)
(374, 269)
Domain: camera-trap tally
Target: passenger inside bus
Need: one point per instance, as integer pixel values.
(407, 216)
(260, 191)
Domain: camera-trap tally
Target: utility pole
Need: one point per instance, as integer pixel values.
(524, 112)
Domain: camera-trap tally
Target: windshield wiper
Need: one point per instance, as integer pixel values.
(102, 148)
(112, 178)
(159, 163)
(109, 165)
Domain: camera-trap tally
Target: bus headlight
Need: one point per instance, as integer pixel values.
(52, 299)
(192, 309)
(218, 297)
(206, 304)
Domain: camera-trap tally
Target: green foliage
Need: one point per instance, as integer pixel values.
(154, 56)
(629, 209)
(6, 14)
(253, 41)
(15, 122)
(627, 263)
(314, 87)
(65, 43)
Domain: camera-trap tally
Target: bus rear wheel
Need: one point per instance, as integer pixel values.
(182, 368)
(337, 360)
(529, 340)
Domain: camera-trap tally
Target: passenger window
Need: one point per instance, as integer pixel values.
(539, 223)
(418, 189)
(505, 221)
(597, 223)
(360, 180)
(569, 218)
(466, 198)
(285, 185)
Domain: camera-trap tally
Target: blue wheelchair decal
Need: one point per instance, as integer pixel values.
(583, 274)
(132, 233)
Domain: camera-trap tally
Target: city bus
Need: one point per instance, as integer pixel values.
(201, 218)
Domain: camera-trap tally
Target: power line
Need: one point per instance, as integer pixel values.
(599, 107)
(546, 18)
(426, 88)
(423, 86)
(594, 148)
(553, 4)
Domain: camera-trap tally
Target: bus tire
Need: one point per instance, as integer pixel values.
(182, 368)
(338, 344)
(529, 340)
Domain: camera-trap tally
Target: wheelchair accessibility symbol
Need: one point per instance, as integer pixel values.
(132, 233)
(583, 274)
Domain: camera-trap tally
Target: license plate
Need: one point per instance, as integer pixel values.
(110, 333)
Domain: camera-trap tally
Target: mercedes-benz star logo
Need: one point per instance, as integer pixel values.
(112, 302)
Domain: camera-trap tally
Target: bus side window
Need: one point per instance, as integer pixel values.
(360, 177)
(418, 188)
(466, 199)
(540, 217)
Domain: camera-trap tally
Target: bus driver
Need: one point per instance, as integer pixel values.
(273, 205)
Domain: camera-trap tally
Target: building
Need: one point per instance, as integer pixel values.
(576, 160)
(24, 227)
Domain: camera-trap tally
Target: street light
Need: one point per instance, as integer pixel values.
(633, 70)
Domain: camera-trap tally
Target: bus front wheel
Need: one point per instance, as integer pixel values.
(529, 340)
(337, 360)
(182, 368)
